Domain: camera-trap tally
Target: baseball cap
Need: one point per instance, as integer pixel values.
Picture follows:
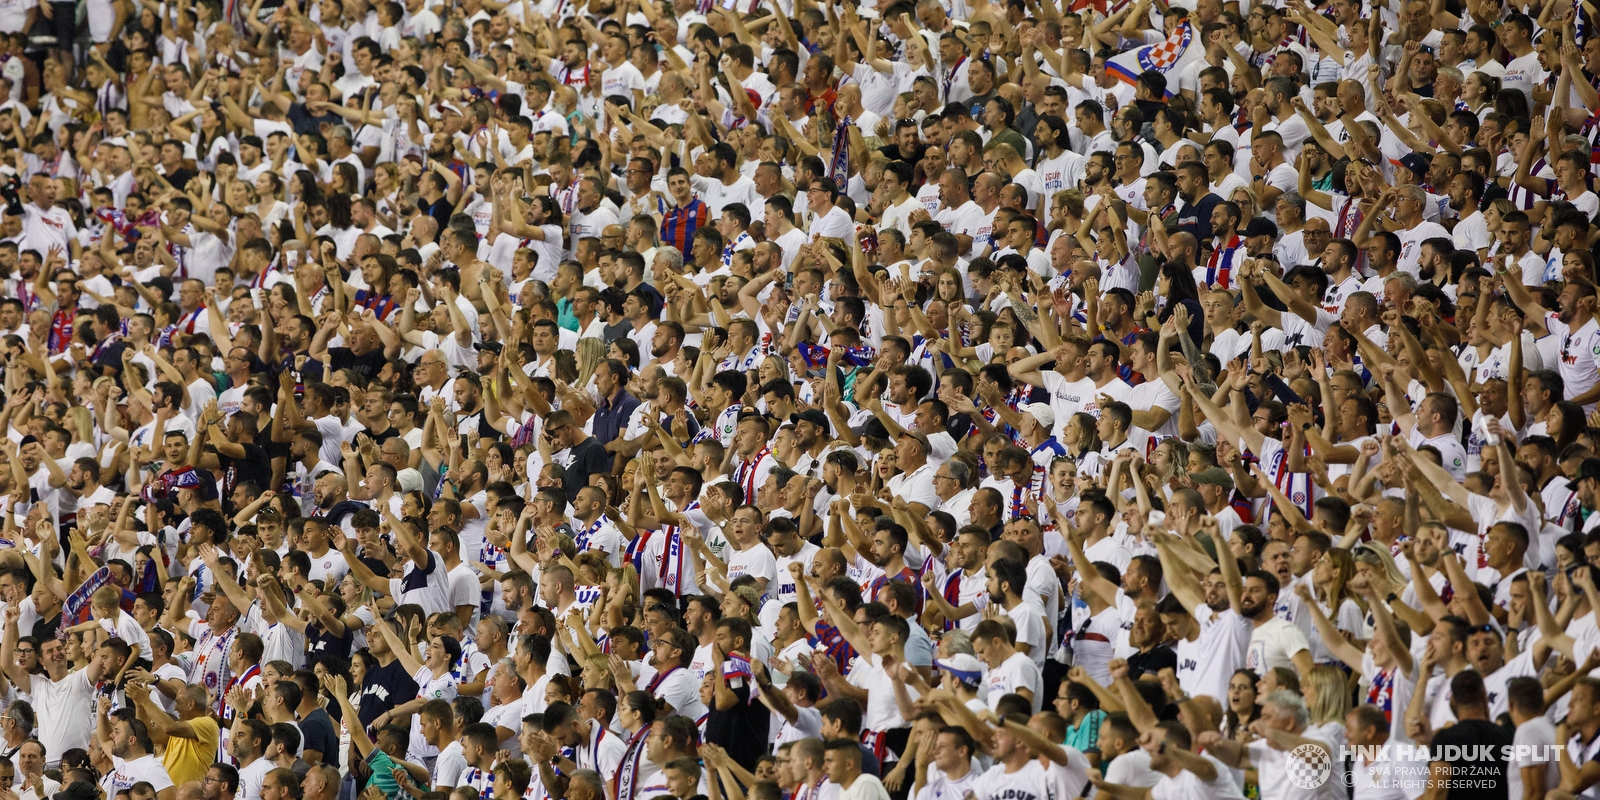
(1260, 226)
(1416, 162)
(962, 667)
(1590, 468)
(1041, 412)
(493, 347)
(1213, 476)
(444, 106)
(817, 418)
(410, 480)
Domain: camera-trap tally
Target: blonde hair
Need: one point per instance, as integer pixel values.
(1338, 587)
(105, 597)
(591, 351)
(1379, 557)
(82, 424)
(1333, 694)
(601, 662)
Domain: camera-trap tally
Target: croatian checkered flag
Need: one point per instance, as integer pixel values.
(1170, 57)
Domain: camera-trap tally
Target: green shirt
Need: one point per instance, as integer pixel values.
(1086, 735)
(382, 767)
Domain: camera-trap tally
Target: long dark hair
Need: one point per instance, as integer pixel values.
(1182, 286)
(1232, 723)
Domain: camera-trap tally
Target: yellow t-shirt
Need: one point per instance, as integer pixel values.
(189, 759)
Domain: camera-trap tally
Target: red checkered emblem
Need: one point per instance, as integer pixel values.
(1164, 55)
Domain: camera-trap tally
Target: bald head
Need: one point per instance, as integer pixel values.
(991, 182)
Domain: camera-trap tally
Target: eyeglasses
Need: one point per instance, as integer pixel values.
(22, 652)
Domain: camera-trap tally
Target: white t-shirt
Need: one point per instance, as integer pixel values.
(1273, 644)
(1188, 786)
(1031, 630)
(1028, 783)
(1523, 74)
(1206, 664)
(865, 787)
(1579, 356)
(758, 562)
(66, 712)
(129, 772)
(1532, 745)
(1274, 775)
(251, 778)
(1016, 672)
(940, 786)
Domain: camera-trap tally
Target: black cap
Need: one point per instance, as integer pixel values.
(816, 418)
(493, 347)
(1260, 226)
(79, 790)
(1590, 468)
(1418, 163)
(874, 428)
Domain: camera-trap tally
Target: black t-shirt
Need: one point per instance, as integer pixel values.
(322, 645)
(311, 371)
(1153, 662)
(316, 733)
(384, 688)
(1482, 774)
(255, 467)
(46, 628)
(272, 449)
(588, 458)
(742, 729)
(388, 433)
(179, 178)
(367, 366)
(440, 210)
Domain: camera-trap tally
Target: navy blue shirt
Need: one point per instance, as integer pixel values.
(611, 416)
(1195, 218)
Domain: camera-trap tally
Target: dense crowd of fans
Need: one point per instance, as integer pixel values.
(643, 399)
